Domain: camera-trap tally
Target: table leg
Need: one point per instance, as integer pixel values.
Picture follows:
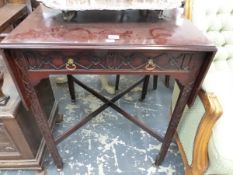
(19, 70)
(43, 125)
(175, 118)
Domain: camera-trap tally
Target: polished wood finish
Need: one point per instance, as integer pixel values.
(212, 114)
(188, 9)
(10, 14)
(182, 153)
(41, 46)
(41, 32)
(213, 111)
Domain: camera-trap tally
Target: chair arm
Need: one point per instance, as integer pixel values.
(213, 111)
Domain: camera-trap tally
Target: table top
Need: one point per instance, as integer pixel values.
(102, 29)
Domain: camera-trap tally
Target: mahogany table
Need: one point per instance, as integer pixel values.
(44, 44)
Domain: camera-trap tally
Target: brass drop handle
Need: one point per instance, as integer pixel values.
(70, 65)
(150, 65)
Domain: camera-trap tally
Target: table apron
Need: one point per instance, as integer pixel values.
(33, 65)
(108, 61)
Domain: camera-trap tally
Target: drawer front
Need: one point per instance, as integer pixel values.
(107, 60)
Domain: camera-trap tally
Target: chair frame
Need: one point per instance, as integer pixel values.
(200, 161)
(213, 111)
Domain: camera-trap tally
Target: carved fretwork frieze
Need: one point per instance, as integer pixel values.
(21, 67)
(107, 60)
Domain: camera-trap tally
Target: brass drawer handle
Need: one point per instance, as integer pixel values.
(70, 65)
(150, 65)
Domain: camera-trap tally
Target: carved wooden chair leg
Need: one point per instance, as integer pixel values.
(71, 88)
(155, 82)
(145, 87)
(200, 161)
(117, 82)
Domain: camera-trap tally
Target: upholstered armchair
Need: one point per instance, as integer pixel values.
(205, 132)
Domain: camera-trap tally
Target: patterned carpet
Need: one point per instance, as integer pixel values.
(110, 144)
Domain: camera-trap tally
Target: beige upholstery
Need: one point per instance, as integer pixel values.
(215, 19)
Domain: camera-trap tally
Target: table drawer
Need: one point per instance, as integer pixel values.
(107, 60)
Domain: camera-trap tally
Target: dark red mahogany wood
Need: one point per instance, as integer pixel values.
(43, 43)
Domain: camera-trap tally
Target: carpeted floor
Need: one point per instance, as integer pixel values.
(110, 144)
